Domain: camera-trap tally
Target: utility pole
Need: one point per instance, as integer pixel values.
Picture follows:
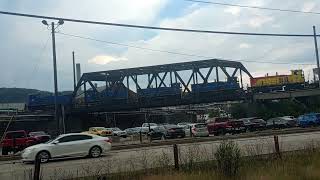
(74, 72)
(56, 112)
(317, 52)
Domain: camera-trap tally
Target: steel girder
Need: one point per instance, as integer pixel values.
(115, 74)
(157, 74)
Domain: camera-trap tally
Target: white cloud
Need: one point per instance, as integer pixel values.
(244, 46)
(233, 10)
(105, 59)
(259, 21)
(308, 6)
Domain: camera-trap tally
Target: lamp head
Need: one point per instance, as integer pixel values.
(44, 22)
(60, 22)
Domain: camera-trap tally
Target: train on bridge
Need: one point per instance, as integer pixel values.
(166, 85)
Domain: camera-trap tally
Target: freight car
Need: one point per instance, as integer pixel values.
(43, 102)
(214, 86)
(174, 90)
(216, 91)
(159, 96)
(278, 82)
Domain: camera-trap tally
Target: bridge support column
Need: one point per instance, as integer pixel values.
(217, 73)
(241, 79)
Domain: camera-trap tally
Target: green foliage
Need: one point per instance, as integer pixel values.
(16, 95)
(214, 113)
(271, 109)
(228, 158)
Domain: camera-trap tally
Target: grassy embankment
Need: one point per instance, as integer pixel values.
(231, 165)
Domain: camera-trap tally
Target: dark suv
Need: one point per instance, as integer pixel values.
(174, 131)
(167, 131)
(254, 123)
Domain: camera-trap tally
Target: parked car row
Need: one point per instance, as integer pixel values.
(14, 141)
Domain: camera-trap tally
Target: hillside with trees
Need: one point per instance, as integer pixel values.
(17, 95)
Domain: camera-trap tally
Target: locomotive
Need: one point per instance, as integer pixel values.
(295, 80)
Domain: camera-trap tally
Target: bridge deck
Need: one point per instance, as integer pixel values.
(286, 94)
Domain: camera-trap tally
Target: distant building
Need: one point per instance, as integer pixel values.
(12, 106)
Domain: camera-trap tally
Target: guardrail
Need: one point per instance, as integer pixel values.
(195, 140)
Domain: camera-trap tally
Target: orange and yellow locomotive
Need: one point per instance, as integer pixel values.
(278, 82)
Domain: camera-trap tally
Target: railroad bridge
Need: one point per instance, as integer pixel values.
(212, 80)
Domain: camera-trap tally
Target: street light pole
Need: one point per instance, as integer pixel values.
(317, 52)
(56, 113)
(74, 71)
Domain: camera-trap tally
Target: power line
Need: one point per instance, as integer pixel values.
(172, 52)
(154, 27)
(132, 46)
(254, 7)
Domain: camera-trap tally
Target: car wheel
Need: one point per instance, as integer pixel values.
(44, 156)
(5, 151)
(221, 132)
(95, 151)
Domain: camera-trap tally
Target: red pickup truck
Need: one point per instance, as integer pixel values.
(15, 141)
(221, 126)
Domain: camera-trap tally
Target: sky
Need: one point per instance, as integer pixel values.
(26, 49)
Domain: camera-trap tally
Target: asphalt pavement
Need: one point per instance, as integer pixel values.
(150, 157)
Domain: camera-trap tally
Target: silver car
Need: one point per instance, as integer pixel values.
(197, 130)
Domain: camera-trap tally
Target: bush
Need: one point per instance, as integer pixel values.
(228, 158)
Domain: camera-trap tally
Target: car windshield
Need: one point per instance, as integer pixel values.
(147, 124)
(159, 129)
(221, 119)
(273, 119)
(258, 121)
(246, 120)
(100, 128)
(116, 129)
(286, 119)
(37, 133)
(200, 125)
(15, 135)
(55, 139)
(171, 126)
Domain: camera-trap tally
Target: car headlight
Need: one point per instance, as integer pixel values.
(26, 151)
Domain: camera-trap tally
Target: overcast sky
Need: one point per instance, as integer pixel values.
(26, 54)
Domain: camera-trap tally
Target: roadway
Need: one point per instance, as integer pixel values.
(150, 157)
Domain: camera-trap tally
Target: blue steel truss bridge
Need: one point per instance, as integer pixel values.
(206, 81)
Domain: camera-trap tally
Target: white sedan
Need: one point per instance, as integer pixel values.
(68, 145)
